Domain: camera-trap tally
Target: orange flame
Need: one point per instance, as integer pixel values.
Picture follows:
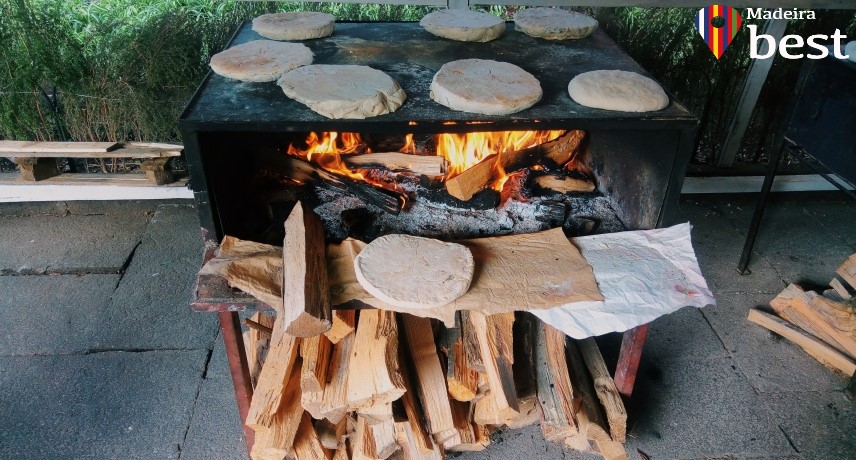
(326, 150)
(409, 145)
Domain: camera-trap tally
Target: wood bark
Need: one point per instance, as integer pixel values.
(399, 162)
(305, 285)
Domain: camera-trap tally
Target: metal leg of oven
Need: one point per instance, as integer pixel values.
(628, 359)
(230, 327)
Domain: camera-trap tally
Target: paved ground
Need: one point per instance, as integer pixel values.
(101, 358)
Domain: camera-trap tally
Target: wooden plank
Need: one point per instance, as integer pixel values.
(426, 165)
(343, 325)
(374, 376)
(305, 289)
(752, 84)
(334, 405)
(555, 390)
(847, 271)
(814, 347)
(629, 356)
(430, 381)
(275, 439)
(273, 379)
(126, 150)
(56, 147)
(91, 180)
(604, 386)
(307, 444)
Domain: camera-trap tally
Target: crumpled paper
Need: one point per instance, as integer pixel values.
(642, 275)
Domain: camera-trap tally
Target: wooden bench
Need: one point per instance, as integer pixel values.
(36, 161)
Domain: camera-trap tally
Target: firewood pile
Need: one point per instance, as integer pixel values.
(381, 384)
(377, 384)
(823, 324)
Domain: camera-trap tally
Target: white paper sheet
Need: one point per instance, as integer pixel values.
(642, 275)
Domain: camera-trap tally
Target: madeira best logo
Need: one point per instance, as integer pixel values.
(719, 24)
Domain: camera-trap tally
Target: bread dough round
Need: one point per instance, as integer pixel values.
(414, 272)
(486, 87)
(617, 90)
(343, 91)
(554, 23)
(463, 25)
(850, 50)
(260, 60)
(294, 25)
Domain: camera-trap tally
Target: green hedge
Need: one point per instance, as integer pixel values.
(123, 69)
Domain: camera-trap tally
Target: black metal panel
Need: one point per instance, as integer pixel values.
(411, 56)
(823, 119)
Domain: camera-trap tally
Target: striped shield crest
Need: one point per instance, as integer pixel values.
(718, 38)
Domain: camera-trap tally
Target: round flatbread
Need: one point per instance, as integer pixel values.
(486, 87)
(554, 24)
(617, 90)
(414, 272)
(343, 91)
(463, 25)
(260, 60)
(295, 25)
(850, 50)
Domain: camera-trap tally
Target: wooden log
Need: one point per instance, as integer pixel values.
(555, 390)
(425, 165)
(563, 184)
(496, 344)
(303, 171)
(414, 416)
(470, 437)
(36, 169)
(374, 441)
(378, 413)
(847, 271)
(331, 434)
(830, 321)
(334, 404)
(156, 171)
(814, 347)
(472, 349)
(316, 352)
(589, 417)
(276, 439)
(461, 380)
(260, 276)
(343, 324)
(273, 379)
(374, 376)
(482, 175)
(604, 386)
(525, 330)
(305, 286)
(430, 381)
(409, 443)
(840, 289)
(257, 345)
(564, 148)
(307, 444)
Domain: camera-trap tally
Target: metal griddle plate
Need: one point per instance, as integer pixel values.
(411, 56)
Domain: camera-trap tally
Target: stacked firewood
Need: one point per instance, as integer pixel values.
(371, 384)
(823, 324)
(381, 384)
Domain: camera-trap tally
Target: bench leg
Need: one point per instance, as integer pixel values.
(628, 359)
(35, 169)
(156, 172)
(230, 327)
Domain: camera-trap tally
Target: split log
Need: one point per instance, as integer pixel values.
(431, 383)
(331, 435)
(482, 175)
(461, 380)
(470, 436)
(257, 345)
(525, 330)
(376, 414)
(374, 441)
(343, 324)
(840, 289)
(305, 285)
(847, 271)
(258, 275)
(408, 441)
(832, 322)
(496, 344)
(555, 390)
(604, 386)
(817, 349)
(374, 377)
(589, 417)
(273, 379)
(276, 439)
(305, 172)
(399, 162)
(472, 349)
(423, 442)
(563, 184)
(307, 444)
(334, 405)
(316, 352)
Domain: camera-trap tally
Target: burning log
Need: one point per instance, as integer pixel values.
(563, 184)
(303, 171)
(426, 165)
(305, 290)
(558, 151)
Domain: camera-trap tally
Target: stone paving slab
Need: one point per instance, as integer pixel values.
(700, 408)
(83, 208)
(768, 360)
(685, 333)
(820, 425)
(68, 244)
(104, 405)
(150, 308)
(52, 314)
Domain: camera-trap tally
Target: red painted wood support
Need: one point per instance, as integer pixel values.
(628, 359)
(230, 326)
